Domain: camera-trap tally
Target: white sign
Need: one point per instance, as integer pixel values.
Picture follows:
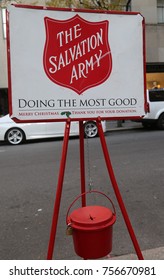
(82, 65)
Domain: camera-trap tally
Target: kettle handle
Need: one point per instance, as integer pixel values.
(92, 191)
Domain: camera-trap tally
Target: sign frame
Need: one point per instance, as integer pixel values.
(91, 103)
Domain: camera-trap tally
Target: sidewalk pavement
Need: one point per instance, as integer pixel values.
(151, 254)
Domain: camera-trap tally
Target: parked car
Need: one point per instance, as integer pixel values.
(16, 133)
(155, 114)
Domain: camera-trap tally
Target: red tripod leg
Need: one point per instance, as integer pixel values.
(116, 190)
(82, 162)
(58, 192)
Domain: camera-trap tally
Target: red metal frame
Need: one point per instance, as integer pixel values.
(116, 190)
(59, 191)
(82, 170)
(82, 162)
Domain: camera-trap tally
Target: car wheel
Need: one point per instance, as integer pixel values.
(15, 136)
(160, 122)
(90, 129)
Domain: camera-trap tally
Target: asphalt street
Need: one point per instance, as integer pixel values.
(29, 175)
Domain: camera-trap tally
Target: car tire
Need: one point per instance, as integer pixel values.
(15, 136)
(148, 125)
(90, 129)
(160, 123)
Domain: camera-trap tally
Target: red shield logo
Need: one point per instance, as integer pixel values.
(77, 53)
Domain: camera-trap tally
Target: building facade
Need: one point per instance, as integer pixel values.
(152, 10)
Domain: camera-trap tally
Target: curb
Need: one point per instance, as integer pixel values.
(113, 126)
(150, 254)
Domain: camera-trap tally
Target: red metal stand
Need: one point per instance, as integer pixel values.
(82, 162)
(116, 190)
(58, 192)
(82, 170)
